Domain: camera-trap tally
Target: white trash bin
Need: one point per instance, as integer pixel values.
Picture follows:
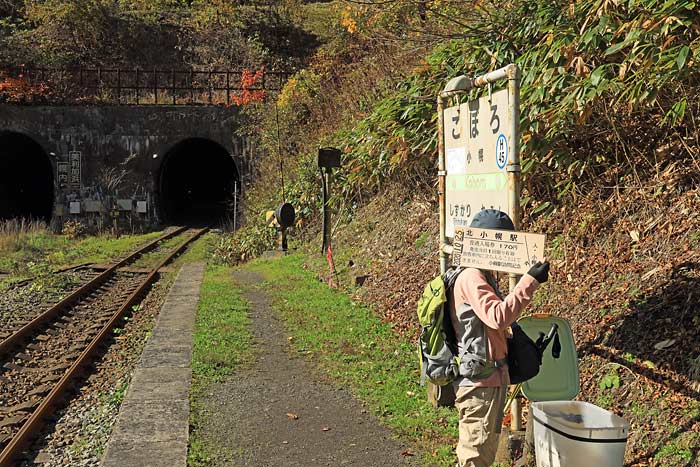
(578, 434)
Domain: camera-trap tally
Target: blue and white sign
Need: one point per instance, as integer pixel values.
(501, 151)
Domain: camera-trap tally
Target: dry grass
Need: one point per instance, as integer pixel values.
(16, 234)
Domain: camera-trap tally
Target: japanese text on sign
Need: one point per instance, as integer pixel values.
(74, 165)
(63, 170)
(477, 140)
(497, 250)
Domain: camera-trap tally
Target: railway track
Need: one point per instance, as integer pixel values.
(41, 358)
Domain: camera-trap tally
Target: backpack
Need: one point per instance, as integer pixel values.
(437, 344)
(440, 362)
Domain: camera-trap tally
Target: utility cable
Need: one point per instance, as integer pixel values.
(277, 116)
(279, 149)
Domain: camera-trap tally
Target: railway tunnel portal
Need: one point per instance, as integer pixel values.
(26, 178)
(131, 165)
(197, 193)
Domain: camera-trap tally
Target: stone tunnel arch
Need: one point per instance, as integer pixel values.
(26, 178)
(197, 182)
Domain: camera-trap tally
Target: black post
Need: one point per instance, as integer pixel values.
(284, 239)
(327, 159)
(326, 212)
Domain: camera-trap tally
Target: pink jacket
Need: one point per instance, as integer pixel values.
(471, 287)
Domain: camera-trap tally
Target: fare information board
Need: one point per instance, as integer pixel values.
(497, 250)
(477, 145)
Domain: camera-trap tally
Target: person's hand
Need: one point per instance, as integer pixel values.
(540, 271)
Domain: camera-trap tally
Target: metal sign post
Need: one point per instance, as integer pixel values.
(479, 158)
(328, 159)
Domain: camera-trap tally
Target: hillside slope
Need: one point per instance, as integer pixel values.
(610, 149)
(625, 273)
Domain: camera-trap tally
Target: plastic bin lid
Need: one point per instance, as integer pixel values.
(558, 379)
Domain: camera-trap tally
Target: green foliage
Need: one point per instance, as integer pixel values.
(591, 72)
(397, 138)
(36, 252)
(420, 241)
(248, 242)
(198, 454)
(610, 381)
(222, 335)
(681, 449)
(200, 250)
(117, 397)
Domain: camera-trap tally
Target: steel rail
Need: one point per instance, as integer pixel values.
(16, 338)
(34, 424)
(21, 334)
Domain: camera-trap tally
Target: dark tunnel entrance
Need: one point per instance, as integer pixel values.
(26, 178)
(197, 184)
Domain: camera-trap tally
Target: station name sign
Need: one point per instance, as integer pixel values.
(497, 250)
(477, 136)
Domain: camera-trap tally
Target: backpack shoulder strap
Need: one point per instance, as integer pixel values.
(492, 282)
(450, 277)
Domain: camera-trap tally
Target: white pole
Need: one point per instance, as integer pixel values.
(235, 203)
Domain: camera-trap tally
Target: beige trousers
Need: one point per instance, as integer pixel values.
(480, 418)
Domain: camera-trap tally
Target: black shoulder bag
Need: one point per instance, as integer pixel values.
(524, 358)
(524, 354)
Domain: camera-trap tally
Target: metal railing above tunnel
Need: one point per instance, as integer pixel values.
(133, 86)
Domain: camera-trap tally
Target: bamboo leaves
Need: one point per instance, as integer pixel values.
(682, 56)
(581, 62)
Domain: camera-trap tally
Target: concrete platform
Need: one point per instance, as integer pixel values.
(153, 424)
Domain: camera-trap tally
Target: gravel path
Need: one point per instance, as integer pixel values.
(279, 413)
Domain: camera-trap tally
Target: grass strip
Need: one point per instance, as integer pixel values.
(222, 340)
(199, 250)
(361, 352)
(27, 254)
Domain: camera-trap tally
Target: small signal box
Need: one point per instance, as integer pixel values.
(329, 157)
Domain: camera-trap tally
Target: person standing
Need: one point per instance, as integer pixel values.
(481, 391)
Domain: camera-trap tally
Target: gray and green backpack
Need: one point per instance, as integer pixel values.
(441, 362)
(437, 343)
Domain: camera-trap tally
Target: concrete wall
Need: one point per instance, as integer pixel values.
(114, 147)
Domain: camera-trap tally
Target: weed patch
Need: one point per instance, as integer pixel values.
(221, 344)
(36, 252)
(222, 335)
(200, 250)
